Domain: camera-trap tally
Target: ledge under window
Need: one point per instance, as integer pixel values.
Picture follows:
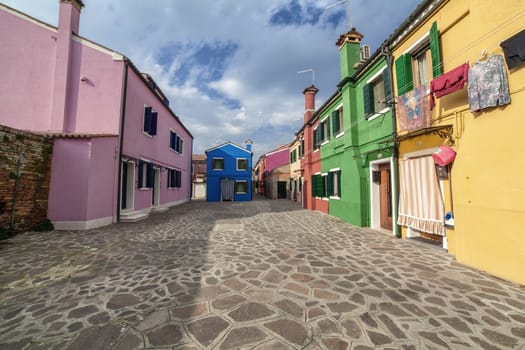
(378, 114)
(335, 197)
(340, 134)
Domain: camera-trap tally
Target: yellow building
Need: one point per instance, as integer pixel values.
(296, 181)
(482, 189)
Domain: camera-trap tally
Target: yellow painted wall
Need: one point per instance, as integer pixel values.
(488, 175)
(295, 167)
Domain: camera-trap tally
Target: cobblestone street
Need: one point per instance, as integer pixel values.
(257, 275)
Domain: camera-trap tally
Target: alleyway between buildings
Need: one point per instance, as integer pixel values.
(252, 275)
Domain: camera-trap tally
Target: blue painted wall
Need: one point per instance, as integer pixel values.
(229, 152)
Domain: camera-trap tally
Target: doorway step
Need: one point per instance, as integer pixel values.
(132, 216)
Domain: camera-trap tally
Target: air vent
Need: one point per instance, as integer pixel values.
(365, 52)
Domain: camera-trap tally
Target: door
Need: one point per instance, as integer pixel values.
(227, 189)
(155, 194)
(127, 181)
(385, 197)
(281, 189)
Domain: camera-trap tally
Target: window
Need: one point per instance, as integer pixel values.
(301, 150)
(242, 164)
(217, 164)
(174, 178)
(376, 92)
(321, 133)
(337, 121)
(316, 138)
(325, 130)
(150, 121)
(176, 142)
(293, 155)
(414, 68)
(334, 183)
(319, 185)
(241, 187)
(145, 178)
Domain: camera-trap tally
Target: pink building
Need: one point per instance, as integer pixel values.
(276, 174)
(119, 151)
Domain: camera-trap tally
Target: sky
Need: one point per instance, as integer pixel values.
(230, 67)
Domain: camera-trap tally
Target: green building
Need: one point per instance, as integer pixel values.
(355, 139)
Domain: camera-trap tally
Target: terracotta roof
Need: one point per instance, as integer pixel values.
(198, 157)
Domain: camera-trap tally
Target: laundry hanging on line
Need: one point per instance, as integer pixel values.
(514, 49)
(488, 84)
(449, 82)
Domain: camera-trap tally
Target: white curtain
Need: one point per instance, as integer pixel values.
(420, 199)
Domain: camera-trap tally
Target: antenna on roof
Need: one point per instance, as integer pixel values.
(309, 70)
(349, 9)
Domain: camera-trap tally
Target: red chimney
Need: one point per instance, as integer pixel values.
(309, 102)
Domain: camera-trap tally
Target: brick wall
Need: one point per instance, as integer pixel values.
(33, 185)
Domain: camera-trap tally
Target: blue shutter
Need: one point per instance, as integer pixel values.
(153, 130)
(141, 165)
(172, 139)
(147, 119)
(149, 175)
(177, 140)
(180, 145)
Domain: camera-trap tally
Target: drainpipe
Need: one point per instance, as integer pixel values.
(385, 51)
(121, 143)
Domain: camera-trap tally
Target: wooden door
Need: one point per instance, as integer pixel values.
(385, 197)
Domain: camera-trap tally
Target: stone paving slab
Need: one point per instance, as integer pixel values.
(258, 275)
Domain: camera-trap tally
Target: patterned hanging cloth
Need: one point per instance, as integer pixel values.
(413, 110)
(488, 85)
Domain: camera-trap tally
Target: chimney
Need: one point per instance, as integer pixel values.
(309, 102)
(68, 24)
(248, 144)
(349, 51)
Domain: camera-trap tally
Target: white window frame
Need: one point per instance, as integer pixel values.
(338, 196)
(144, 171)
(241, 181)
(213, 162)
(341, 111)
(374, 78)
(237, 164)
(423, 41)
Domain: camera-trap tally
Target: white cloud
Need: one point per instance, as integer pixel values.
(260, 75)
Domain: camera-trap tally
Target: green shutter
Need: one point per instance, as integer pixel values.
(314, 185)
(368, 95)
(330, 184)
(339, 183)
(435, 51)
(404, 74)
(387, 83)
(326, 125)
(335, 122)
(320, 129)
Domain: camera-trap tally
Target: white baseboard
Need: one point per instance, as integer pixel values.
(82, 225)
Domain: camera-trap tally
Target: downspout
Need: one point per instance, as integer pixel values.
(385, 51)
(121, 143)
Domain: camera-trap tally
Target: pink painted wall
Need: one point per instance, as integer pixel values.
(155, 149)
(27, 64)
(277, 159)
(27, 68)
(95, 103)
(83, 179)
(103, 178)
(68, 189)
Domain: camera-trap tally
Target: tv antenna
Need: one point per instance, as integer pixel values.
(337, 3)
(306, 71)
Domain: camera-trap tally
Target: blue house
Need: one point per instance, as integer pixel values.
(229, 173)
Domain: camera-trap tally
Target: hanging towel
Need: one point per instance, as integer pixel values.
(413, 111)
(488, 85)
(448, 82)
(514, 49)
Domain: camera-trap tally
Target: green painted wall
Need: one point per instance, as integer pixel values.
(353, 151)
